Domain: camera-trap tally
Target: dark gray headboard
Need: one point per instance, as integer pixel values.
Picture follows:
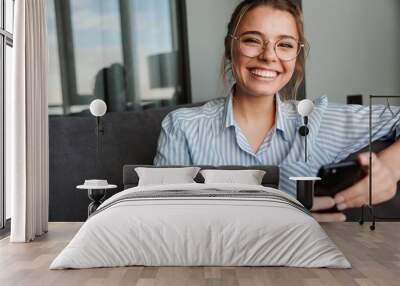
(271, 177)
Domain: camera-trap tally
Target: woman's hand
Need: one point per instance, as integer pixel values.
(324, 203)
(384, 185)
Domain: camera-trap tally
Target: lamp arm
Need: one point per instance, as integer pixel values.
(305, 137)
(99, 134)
(305, 148)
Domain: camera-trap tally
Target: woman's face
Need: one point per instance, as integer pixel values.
(265, 74)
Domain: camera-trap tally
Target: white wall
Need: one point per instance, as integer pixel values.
(207, 25)
(355, 48)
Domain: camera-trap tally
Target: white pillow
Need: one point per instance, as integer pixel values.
(248, 177)
(164, 176)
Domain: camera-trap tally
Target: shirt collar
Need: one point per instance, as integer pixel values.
(280, 114)
(285, 119)
(283, 114)
(228, 113)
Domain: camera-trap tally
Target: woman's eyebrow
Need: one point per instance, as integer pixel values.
(287, 36)
(261, 34)
(252, 32)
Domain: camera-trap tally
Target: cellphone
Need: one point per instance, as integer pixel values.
(336, 177)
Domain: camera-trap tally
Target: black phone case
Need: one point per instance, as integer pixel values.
(337, 177)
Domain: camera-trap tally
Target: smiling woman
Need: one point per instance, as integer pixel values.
(274, 30)
(265, 50)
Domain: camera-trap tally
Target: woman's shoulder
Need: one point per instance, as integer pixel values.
(290, 105)
(348, 110)
(207, 111)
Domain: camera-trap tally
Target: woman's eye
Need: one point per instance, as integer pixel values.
(252, 41)
(286, 45)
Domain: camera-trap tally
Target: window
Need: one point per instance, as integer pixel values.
(6, 43)
(130, 53)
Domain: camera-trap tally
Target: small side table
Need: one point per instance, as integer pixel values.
(305, 190)
(96, 195)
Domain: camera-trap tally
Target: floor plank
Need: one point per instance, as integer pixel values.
(375, 257)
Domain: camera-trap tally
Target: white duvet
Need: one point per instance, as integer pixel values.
(185, 231)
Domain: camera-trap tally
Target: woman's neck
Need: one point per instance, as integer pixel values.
(253, 109)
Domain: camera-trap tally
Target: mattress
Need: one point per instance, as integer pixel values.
(201, 225)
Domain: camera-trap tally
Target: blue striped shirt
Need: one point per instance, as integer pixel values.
(209, 135)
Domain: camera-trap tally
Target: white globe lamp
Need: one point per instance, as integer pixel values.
(98, 108)
(305, 107)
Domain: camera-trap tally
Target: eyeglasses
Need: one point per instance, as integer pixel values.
(286, 49)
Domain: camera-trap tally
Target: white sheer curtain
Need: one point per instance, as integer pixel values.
(27, 124)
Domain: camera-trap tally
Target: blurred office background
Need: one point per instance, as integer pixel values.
(139, 54)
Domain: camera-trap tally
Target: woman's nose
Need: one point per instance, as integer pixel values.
(268, 53)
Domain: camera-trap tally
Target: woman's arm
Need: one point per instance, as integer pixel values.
(385, 175)
(172, 146)
(352, 126)
(391, 158)
(345, 128)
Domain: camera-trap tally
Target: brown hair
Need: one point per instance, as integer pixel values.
(290, 90)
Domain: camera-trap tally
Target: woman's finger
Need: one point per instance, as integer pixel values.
(363, 159)
(329, 217)
(322, 203)
(381, 192)
(356, 190)
(353, 203)
(384, 187)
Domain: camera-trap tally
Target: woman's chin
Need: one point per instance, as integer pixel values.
(270, 86)
(263, 89)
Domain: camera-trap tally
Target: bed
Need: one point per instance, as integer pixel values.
(198, 224)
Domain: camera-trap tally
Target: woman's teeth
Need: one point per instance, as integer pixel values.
(266, 74)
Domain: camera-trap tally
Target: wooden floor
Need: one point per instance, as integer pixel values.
(375, 257)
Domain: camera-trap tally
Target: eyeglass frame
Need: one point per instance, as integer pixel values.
(264, 45)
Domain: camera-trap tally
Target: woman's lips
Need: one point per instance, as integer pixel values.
(264, 74)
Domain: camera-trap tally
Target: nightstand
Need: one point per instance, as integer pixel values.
(305, 190)
(96, 194)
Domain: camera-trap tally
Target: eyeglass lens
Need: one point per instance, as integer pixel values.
(285, 49)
